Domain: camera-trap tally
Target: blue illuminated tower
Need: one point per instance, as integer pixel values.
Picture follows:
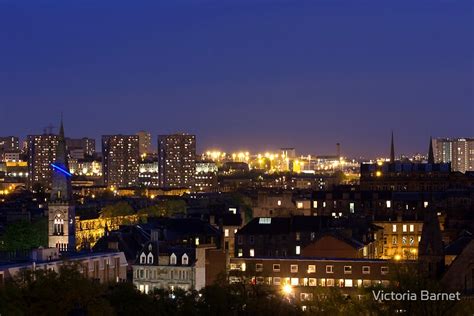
(61, 214)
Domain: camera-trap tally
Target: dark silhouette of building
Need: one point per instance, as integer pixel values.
(431, 248)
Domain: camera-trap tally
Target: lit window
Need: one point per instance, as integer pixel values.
(294, 281)
(226, 232)
(330, 282)
(404, 228)
(394, 240)
(425, 204)
(412, 228)
(351, 207)
(311, 268)
(298, 250)
(240, 253)
(312, 282)
(299, 205)
(394, 228)
(315, 204)
(265, 220)
(329, 269)
(347, 283)
(294, 268)
(252, 253)
(279, 202)
(389, 204)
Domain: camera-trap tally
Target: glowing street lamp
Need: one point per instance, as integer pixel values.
(287, 289)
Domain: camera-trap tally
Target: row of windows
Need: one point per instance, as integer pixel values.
(313, 282)
(405, 228)
(311, 268)
(405, 240)
(147, 274)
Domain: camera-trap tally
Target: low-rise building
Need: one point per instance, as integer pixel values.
(163, 266)
(103, 267)
(301, 276)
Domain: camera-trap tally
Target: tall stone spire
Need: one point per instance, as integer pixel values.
(430, 152)
(392, 151)
(61, 184)
(430, 247)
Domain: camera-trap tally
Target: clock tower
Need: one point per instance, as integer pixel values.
(61, 211)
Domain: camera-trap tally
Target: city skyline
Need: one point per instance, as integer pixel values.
(384, 151)
(230, 73)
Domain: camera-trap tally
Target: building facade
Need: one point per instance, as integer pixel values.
(102, 267)
(120, 154)
(41, 153)
(300, 277)
(176, 160)
(205, 180)
(457, 151)
(80, 147)
(401, 237)
(144, 142)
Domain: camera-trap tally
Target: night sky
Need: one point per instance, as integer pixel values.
(242, 74)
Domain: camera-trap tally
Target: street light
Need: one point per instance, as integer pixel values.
(287, 289)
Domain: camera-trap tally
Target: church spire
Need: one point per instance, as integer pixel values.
(392, 151)
(430, 152)
(61, 129)
(61, 179)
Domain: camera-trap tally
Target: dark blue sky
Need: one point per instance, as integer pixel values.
(242, 74)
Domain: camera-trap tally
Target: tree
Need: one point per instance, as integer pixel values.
(45, 292)
(121, 208)
(166, 208)
(24, 235)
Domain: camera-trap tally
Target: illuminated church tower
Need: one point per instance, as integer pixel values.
(61, 216)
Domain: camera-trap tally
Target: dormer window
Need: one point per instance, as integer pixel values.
(150, 258)
(184, 260)
(143, 258)
(173, 259)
